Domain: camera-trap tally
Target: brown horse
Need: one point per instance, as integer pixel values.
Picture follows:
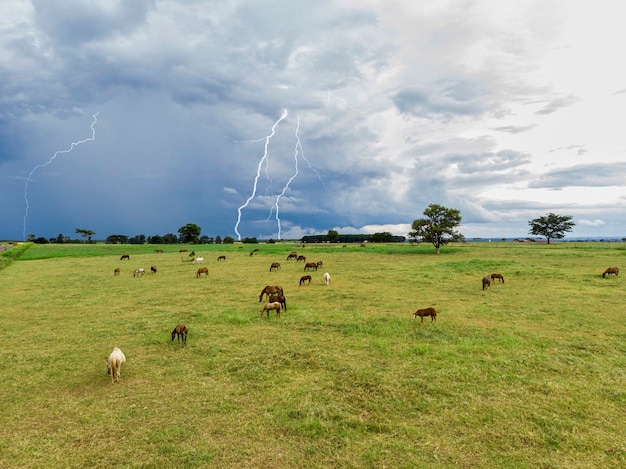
(432, 312)
(271, 290)
(153, 269)
(158, 250)
(180, 331)
(116, 271)
(486, 282)
(275, 266)
(497, 276)
(304, 278)
(280, 298)
(611, 271)
(292, 255)
(221, 258)
(202, 270)
(124, 256)
(310, 266)
(301, 258)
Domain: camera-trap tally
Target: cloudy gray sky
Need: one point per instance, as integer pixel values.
(270, 118)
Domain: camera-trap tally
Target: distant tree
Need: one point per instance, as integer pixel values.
(117, 239)
(250, 240)
(30, 237)
(384, 237)
(228, 240)
(170, 238)
(189, 233)
(204, 239)
(156, 239)
(59, 239)
(551, 226)
(86, 234)
(332, 236)
(439, 226)
(41, 240)
(139, 239)
(218, 239)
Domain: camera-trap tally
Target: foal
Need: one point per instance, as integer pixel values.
(180, 331)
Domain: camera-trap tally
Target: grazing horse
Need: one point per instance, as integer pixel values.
(432, 312)
(116, 271)
(310, 266)
(202, 270)
(271, 290)
(497, 276)
(271, 306)
(611, 271)
(319, 264)
(304, 278)
(197, 260)
(486, 282)
(180, 331)
(153, 269)
(292, 255)
(182, 250)
(301, 258)
(327, 278)
(275, 266)
(158, 250)
(124, 256)
(139, 272)
(280, 298)
(114, 364)
(221, 258)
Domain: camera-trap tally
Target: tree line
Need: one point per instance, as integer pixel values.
(438, 227)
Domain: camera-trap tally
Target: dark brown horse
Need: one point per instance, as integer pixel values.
(310, 266)
(153, 269)
(611, 271)
(280, 298)
(180, 331)
(292, 255)
(221, 258)
(124, 256)
(275, 267)
(486, 282)
(432, 312)
(301, 258)
(304, 278)
(202, 270)
(497, 276)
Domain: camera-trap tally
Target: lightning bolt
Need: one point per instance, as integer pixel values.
(298, 149)
(57, 153)
(258, 171)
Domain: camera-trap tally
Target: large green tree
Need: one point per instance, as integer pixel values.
(551, 226)
(438, 227)
(190, 233)
(332, 236)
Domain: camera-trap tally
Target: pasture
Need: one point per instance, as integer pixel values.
(527, 373)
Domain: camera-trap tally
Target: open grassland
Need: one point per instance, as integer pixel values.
(530, 373)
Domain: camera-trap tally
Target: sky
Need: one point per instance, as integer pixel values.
(275, 119)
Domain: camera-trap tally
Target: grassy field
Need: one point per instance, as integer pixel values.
(530, 373)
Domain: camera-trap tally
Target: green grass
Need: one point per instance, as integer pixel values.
(531, 373)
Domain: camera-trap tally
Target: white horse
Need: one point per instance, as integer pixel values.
(327, 278)
(139, 272)
(114, 364)
(197, 260)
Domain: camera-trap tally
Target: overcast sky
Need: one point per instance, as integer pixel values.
(274, 118)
